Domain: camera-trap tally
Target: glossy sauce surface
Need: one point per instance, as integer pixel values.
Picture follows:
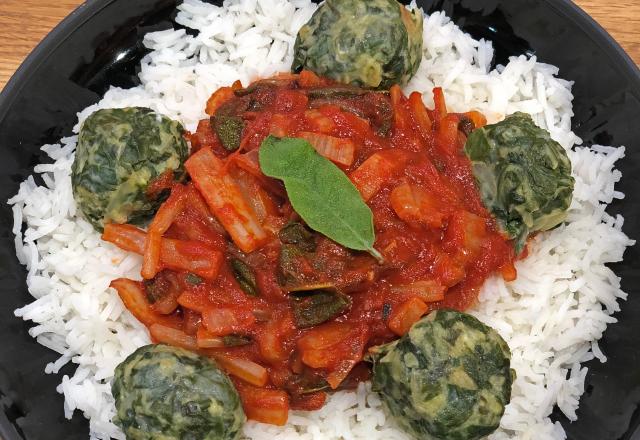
(294, 302)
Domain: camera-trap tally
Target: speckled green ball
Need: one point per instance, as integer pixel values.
(119, 153)
(167, 393)
(449, 378)
(372, 43)
(523, 175)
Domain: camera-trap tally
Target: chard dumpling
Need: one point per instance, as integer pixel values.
(168, 393)
(523, 175)
(449, 378)
(120, 153)
(373, 43)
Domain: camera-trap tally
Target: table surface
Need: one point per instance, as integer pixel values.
(23, 23)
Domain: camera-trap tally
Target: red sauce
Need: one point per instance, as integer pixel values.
(438, 241)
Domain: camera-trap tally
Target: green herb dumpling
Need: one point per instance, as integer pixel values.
(523, 175)
(119, 154)
(449, 378)
(372, 43)
(167, 393)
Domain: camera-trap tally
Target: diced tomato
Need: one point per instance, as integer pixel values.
(465, 235)
(406, 314)
(218, 98)
(195, 300)
(264, 405)
(223, 321)
(375, 172)
(290, 101)
(334, 346)
(324, 336)
(309, 79)
(189, 226)
(161, 183)
(318, 122)
(308, 402)
(204, 137)
(448, 270)
(191, 321)
(415, 205)
(271, 338)
(281, 125)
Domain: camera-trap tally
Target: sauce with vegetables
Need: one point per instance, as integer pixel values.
(232, 270)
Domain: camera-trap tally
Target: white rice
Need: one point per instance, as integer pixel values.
(551, 316)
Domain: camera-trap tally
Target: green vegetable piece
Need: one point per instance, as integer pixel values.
(308, 382)
(229, 130)
(337, 92)
(168, 393)
(295, 233)
(192, 278)
(373, 43)
(289, 262)
(523, 175)
(449, 378)
(311, 308)
(245, 277)
(320, 192)
(236, 340)
(119, 153)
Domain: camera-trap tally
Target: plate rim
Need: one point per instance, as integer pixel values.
(89, 8)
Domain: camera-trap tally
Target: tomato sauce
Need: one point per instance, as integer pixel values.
(438, 242)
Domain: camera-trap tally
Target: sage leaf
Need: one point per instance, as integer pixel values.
(236, 340)
(320, 192)
(192, 278)
(296, 234)
(314, 307)
(229, 130)
(245, 277)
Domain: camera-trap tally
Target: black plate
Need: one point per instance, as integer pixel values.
(99, 44)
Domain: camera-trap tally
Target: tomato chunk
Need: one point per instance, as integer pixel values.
(264, 405)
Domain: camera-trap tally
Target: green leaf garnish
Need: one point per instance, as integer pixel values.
(320, 192)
